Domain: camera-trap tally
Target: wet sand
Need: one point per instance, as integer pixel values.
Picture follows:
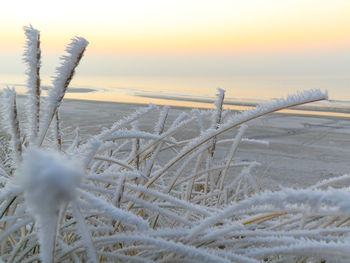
(302, 149)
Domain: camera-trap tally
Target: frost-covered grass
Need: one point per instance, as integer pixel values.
(133, 195)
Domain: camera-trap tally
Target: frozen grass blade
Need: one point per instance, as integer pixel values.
(32, 57)
(314, 201)
(57, 130)
(177, 248)
(239, 119)
(230, 155)
(217, 117)
(65, 73)
(11, 123)
(126, 121)
(84, 232)
(116, 213)
(131, 178)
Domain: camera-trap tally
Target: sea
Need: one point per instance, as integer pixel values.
(199, 91)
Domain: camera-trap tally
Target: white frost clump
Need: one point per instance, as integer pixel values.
(48, 180)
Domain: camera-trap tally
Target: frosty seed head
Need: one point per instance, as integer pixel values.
(48, 180)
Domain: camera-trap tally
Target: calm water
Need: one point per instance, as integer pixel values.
(195, 91)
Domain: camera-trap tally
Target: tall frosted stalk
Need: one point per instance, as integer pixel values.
(11, 123)
(64, 74)
(217, 117)
(32, 57)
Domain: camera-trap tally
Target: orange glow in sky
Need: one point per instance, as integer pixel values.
(252, 48)
(181, 26)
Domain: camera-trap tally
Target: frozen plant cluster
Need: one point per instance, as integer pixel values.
(133, 195)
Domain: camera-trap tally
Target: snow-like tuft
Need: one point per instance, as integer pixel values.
(48, 180)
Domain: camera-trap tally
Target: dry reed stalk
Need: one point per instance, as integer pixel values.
(17, 130)
(262, 219)
(336, 218)
(13, 124)
(70, 76)
(221, 131)
(66, 84)
(37, 89)
(181, 170)
(190, 185)
(60, 94)
(176, 184)
(156, 149)
(32, 57)
(209, 182)
(219, 104)
(168, 133)
(152, 157)
(343, 222)
(112, 160)
(121, 188)
(231, 154)
(137, 149)
(58, 132)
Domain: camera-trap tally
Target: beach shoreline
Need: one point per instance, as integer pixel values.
(302, 150)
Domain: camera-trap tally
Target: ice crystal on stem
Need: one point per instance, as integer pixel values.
(11, 123)
(145, 195)
(65, 73)
(32, 57)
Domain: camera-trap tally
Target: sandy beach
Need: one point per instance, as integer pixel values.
(302, 149)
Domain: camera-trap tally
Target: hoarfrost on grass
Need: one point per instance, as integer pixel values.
(137, 195)
(32, 57)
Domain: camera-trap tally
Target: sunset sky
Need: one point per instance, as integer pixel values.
(185, 37)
